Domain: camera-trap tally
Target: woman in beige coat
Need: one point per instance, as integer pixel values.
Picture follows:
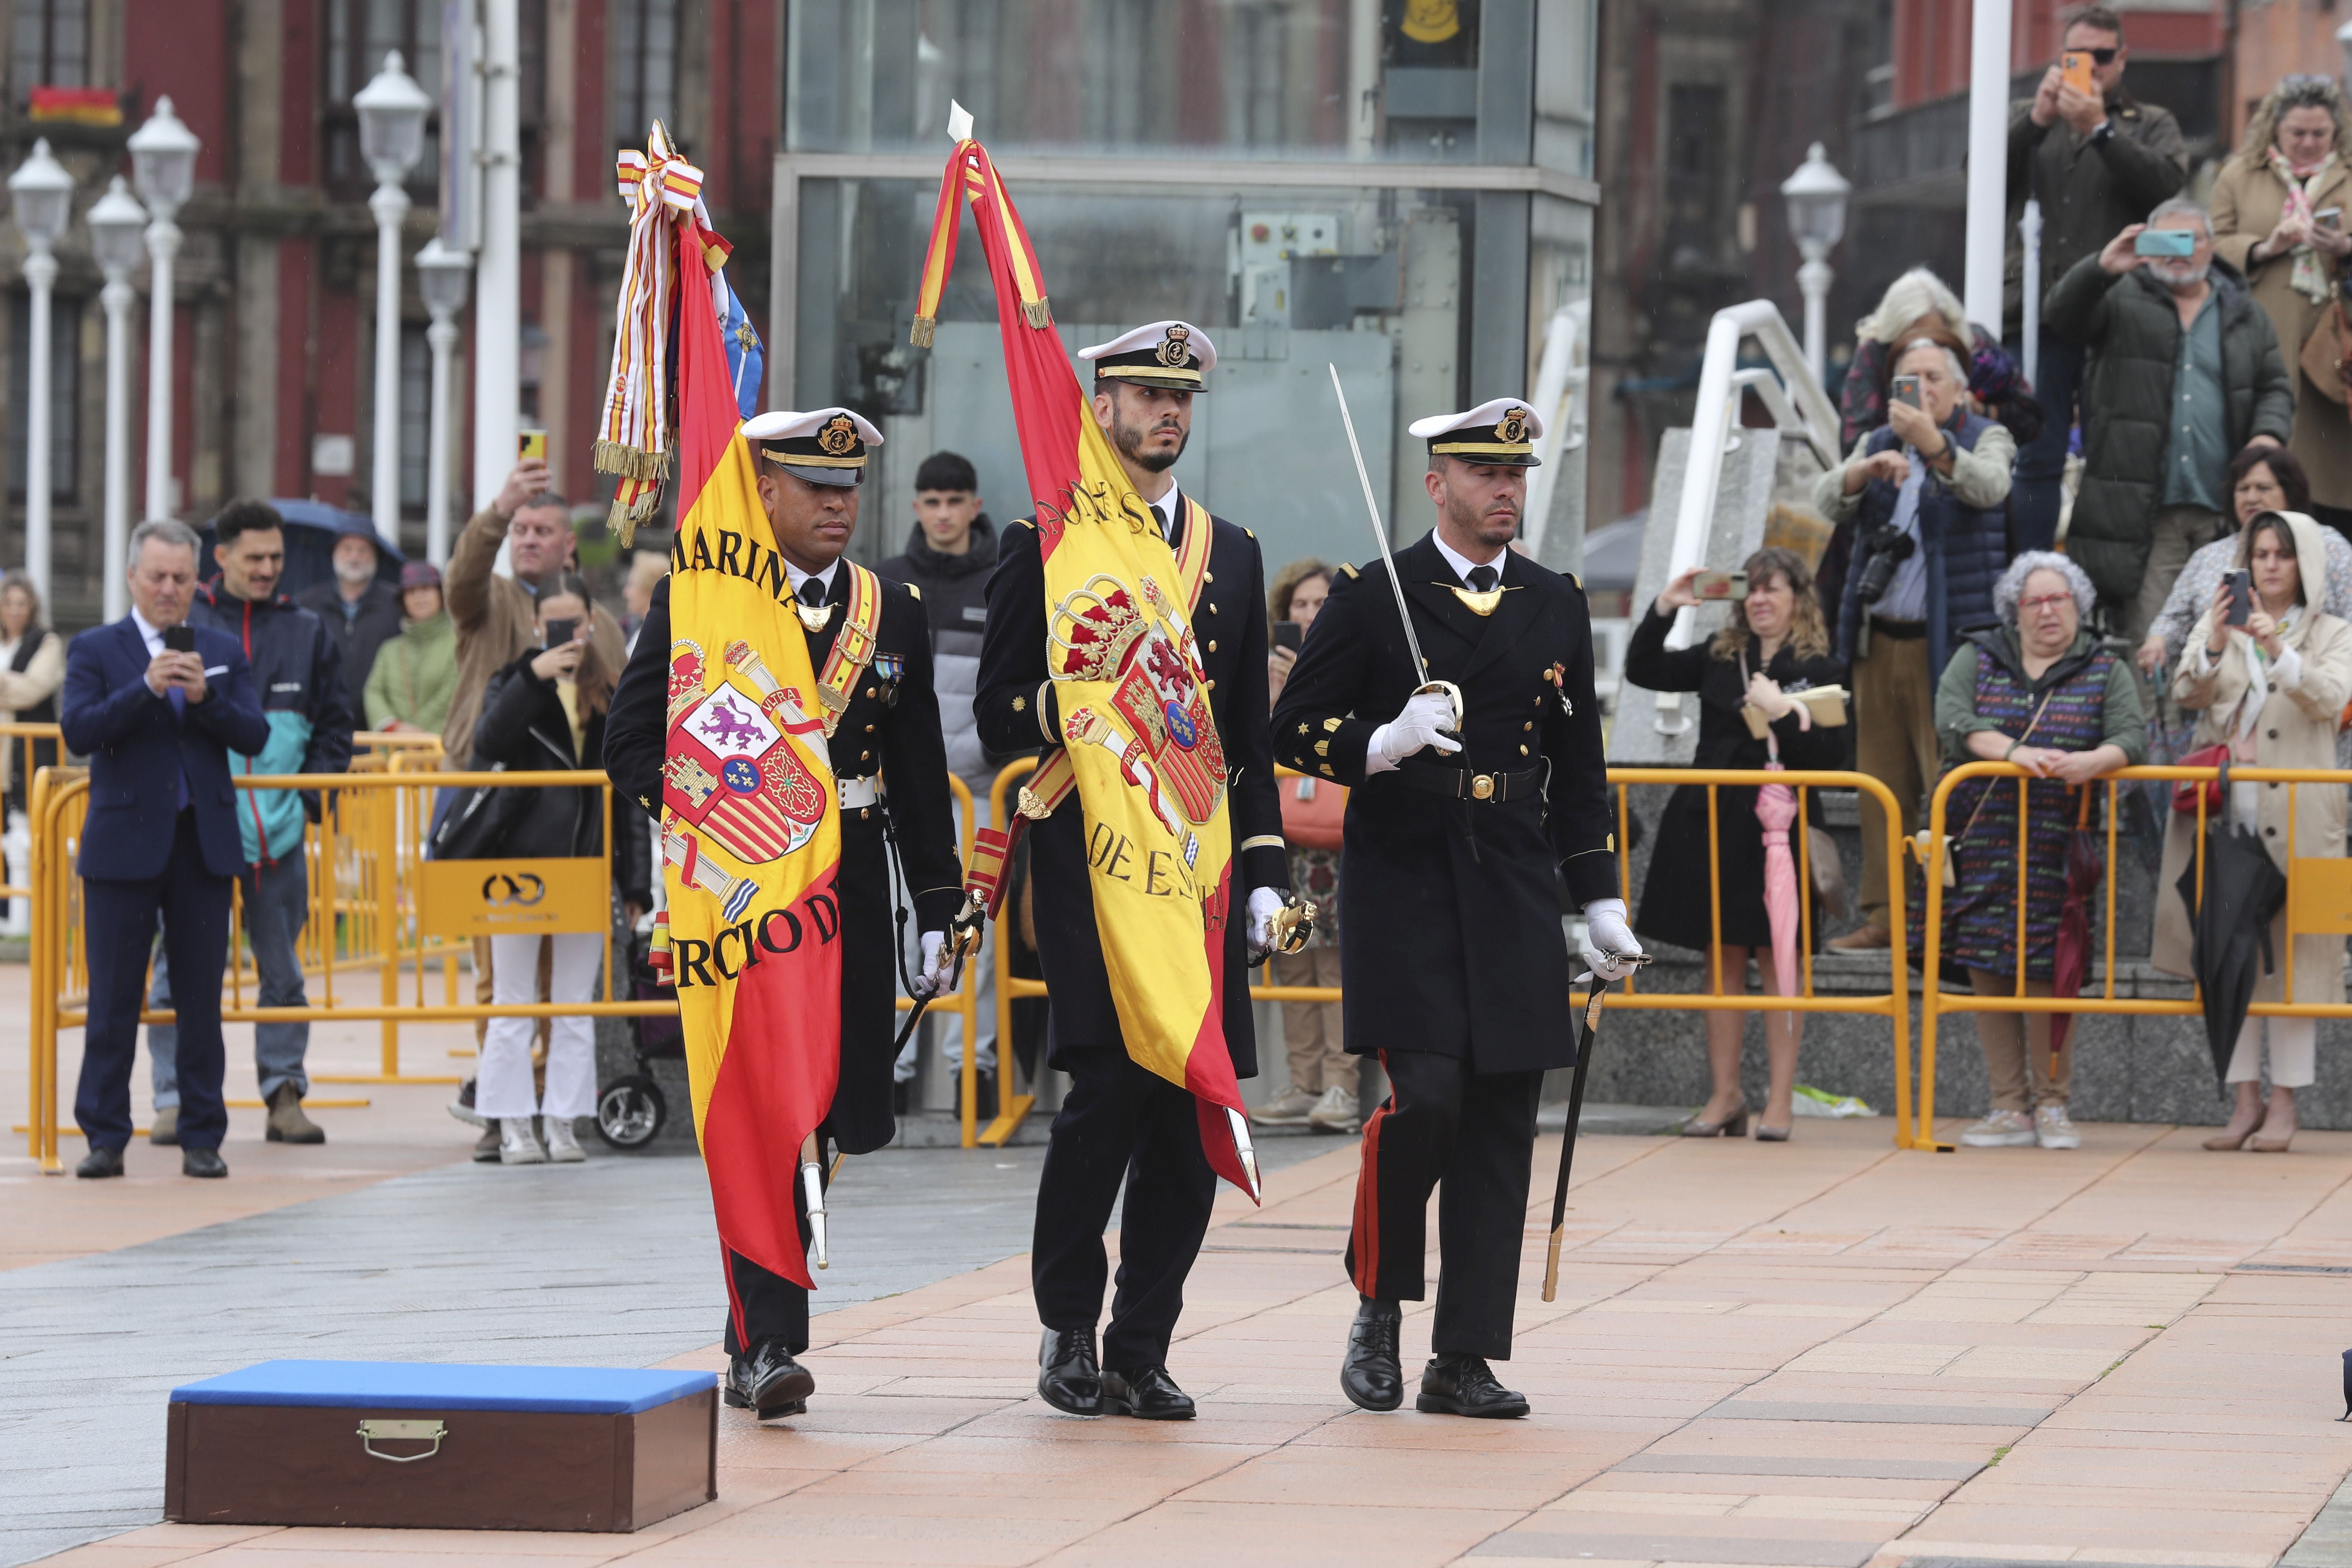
(2280, 217)
(2271, 691)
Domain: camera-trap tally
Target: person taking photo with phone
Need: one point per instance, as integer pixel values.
(1927, 494)
(2278, 217)
(2095, 158)
(2185, 373)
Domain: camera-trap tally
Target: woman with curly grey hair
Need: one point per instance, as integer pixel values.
(2040, 691)
(2278, 217)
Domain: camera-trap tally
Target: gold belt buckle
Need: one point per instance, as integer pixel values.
(1482, 786)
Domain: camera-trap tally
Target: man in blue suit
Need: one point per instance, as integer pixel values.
(157, 724)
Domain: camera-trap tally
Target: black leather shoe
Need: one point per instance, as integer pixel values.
(1465, 1386)
(100, 1163)
(1070, 1378)
(1371, 1374)
(766, 1381)
(1150, 1394)
(205, 1162)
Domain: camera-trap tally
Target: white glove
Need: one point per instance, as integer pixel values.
(1427, 718)
(937, 975)
(1609, 944)
(1263, 903)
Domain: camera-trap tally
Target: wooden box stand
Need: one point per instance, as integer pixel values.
(444, 1448)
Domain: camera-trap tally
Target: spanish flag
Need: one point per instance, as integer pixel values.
(1150, 770)
(751, 824)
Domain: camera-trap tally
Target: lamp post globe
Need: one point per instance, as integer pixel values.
(116, 221)
(392, 109)
(41, 194)
(1816, 195)
(164, 169)
(163, 160)
(442, 276)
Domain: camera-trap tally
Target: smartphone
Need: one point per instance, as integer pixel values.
(2330, 218)
(2164, 242)
(2074, 69)
(2241, 584)
(529, 444)
(560, 631)
(1907, 390)
(1712, 586)
(1289, 635)
(181, 639)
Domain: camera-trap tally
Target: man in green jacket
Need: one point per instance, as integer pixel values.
(2185, 371)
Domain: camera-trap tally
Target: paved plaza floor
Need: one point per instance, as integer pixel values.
(1825, 1353)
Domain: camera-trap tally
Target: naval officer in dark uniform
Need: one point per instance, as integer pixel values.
(1120, 1120)
(811, 466)
(1455, 972)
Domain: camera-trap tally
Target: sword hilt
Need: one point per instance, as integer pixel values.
(1453, 694)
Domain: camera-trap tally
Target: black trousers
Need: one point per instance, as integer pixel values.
(119, 928)
(1120, 1121)
(1474, 1133)
(773, 1307)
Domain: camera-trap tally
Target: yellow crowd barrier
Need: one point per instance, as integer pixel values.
(19, 741)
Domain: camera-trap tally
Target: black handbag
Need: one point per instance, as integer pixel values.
(477, 825)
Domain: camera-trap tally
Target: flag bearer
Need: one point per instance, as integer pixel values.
(869, 646)
(1458, 835)
(1120, 1120)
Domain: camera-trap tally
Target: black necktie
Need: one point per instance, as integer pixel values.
(1481, 578)
(812, 592)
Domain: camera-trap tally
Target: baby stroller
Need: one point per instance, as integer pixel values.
(630, 1110)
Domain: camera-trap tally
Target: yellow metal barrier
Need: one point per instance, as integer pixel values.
(966, 1005)
(20, 740)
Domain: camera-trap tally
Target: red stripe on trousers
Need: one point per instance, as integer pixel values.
(1368, 1198)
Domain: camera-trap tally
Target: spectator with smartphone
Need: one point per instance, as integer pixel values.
(2278, 217)
(2185, 373)
(2095, 158)
(1927, 495)
(545, 710)
(1920, 304)
(1325, 1088)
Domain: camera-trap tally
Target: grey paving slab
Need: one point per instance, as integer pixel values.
(1762, 1550)
(614, 1263)
(2326, 1542)
(1901, 1414)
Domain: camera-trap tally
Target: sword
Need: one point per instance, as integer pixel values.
(964, 940)
(1380, 536)
(812, 1191)
(1584, 1042)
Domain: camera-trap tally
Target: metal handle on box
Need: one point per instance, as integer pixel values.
(373, 1432)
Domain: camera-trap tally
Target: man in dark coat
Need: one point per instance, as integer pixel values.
(358, 606)
(1121, 1120)
(2185, 373)
(889, 730)
(1459, 832)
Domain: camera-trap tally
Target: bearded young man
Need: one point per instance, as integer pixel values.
(1469, 808)
(1121, 1120)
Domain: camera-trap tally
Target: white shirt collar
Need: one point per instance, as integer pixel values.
(796, 576)
(151, 636)
(1463, 563)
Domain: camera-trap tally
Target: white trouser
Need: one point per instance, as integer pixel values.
(503, 1087)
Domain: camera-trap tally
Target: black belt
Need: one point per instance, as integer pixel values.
(1463, 784)
(1902, 631)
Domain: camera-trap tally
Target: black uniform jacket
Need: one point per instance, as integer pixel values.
(1451, 908)
(1017, 710)
(899, 738)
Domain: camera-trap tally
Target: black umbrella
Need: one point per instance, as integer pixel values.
(2244, 889)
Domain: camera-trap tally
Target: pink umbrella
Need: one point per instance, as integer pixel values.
(1776, 808)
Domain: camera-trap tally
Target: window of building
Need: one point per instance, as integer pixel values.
(1698, 224)
(64, 338)
(48, 45)
(642, 67)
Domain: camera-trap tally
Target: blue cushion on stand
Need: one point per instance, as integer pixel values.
(409, 1385)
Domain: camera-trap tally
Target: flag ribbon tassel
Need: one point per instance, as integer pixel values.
(985, 191)
(634, 436)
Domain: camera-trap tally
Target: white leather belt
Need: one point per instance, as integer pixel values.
(856, 793)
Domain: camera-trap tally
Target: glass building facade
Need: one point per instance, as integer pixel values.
(1400, 188)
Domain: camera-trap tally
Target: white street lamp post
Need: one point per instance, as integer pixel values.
(1816, 195)
(115, 222)
(392, 111)
(498, 283)
(41, 193)
(441, 275)
(163, 167)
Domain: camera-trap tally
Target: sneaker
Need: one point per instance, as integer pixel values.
(462, 1107)
(2002, 1130)
(1288, 1108)
(486, 1147)
(165, 1128)
(2053, 1129)
(563, 1147)
(1335, 1112)
(516, 1145)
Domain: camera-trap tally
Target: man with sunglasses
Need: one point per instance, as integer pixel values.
(2096, 162)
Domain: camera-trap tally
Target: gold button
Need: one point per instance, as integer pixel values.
(1020, 704)
(1529, 725)
(1523, 751)
(869, 691)
(1210, 685)
(1483, 787)
(869, 729)
(1208, 576)
(1213, 645)
(864, 811)
(1212, 609)
(865, 756)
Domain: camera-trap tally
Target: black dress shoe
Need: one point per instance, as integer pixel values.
(205, 1162)
(1150, 1394)
(100, 1163)
(1371, 1374)
(1070, 1378)
(766, 1381)
(1465, 1386)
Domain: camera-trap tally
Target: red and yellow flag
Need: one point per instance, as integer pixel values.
(1151, 771)
(750, 827)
